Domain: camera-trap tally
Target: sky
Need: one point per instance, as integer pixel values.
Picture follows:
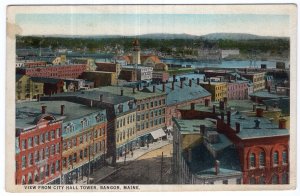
(137, 24)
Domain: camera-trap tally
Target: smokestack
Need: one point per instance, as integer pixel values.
(198, 81)
(62, 110)
(282, 123)
(174, 78)
(190, 83)
(122, 91)
(44, 109)
(154, 88)
(133, 90)
(192, 106)
(189, 155)
(222, 116)
(217, 167)
(214, 109)
(164, 87)
(237, 127)
(173, 85)
(181, 84)
(259, 112)
(254, 107)
(101, 98)
(206, 102)
(228, 117)
(202, 129)
(221, 105)
(267, 108)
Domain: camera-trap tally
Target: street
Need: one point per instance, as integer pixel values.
(145, 170)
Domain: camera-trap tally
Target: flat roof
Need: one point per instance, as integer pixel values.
(193, 126)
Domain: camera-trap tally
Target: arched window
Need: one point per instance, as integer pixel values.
(29, 178)
(285, 178)
(284, 157)
(275, 158)
(262, 158)
(252, 180)
(252, 160)
(275, 179)
(262, 180)
(23, 180)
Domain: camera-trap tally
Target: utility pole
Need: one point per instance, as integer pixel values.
(161, 166)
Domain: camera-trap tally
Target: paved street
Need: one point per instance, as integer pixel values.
(144, 170)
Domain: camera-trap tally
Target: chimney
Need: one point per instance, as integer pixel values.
(154, 88)
(173, 85)
(221, 105)
(164, 87)
(192, 106)
(269, 89)
(133, 90)
(254, 107)
(202, 129)
(282, 123)
(214, 109)
(206, 102)
(259, 112)
(181, 84)
(217, 167)
(198, 81)
(190, 83)
(222, 116)
(62, 110)
(174, 78)
(101, 98)
(204, 79)
(225, 100)
(44, 109)
(228, 117)
(257, 122)
(189, 155)
(267, 108)
(237, 127)
(122, 92)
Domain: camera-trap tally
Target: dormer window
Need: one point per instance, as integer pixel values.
(120, 108)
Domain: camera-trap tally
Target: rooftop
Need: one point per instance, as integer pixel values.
(267, 95)
(193, 126)
(27, 112)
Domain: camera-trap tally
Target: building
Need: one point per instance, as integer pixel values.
(257, 78)
(38, 144)
(109, 67)
(230, 52)
(100, 78)
(121, 117)
(51, 85)
(54, 71)
(203, 156)
(150, 112)
(263, 146)
(28, 89)
(129, 75)
(142, 72)
(160, 76)
(179, 94)
(218, 90)
(237, 89)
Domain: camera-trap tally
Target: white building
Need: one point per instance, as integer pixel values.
(226, 53)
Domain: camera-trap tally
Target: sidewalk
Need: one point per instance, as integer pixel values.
(143, 150)
(98, 175)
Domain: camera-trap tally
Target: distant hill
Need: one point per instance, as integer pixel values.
(237, 36)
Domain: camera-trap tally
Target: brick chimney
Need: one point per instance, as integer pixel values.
(198, 81)
(181, 84)
(228, 117)
(257, 122)
(122, 92)
(202, 129)
(154, 88)
(101, 98)
(237, 127)
(173, 83)
(62, 110)
(207, 102)
(214, 109)
(164, 87)
(259, 112)
(282, 123)
(192, 106)
(217, 167)
(190, 83)
(44, 109)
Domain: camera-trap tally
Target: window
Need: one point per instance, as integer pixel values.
(47, 136)
(285, 178)
(262, 180)
(57, 148)
(30, 159)
(151, 104)
(47, 170)
(252, 160)
(42, 154)
(52, 168)
(81, 139)
(42, 138)
(262, 159)
(81, 154)
(74, 141)
(23, 161)
(23, 144)
(52, 135)
(57, 165)
(30, 142)
(103, 131)
(275, 158)
(275, 179)
(95, 133)
(65, 146)
(52, 149)
(47, 152)
(36, 156)
(252, 180)
(57, 133)
(284, 157)
(36, 140)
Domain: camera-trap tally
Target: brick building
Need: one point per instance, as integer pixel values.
(51, 85)
(218, 90)
(100, 78)
(257, 78)
(38, 144)
(28, 89)
(54, 71)
(237, 90)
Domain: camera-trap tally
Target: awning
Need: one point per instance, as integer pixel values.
(158, 133)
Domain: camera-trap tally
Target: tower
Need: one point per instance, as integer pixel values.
(136, 53)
